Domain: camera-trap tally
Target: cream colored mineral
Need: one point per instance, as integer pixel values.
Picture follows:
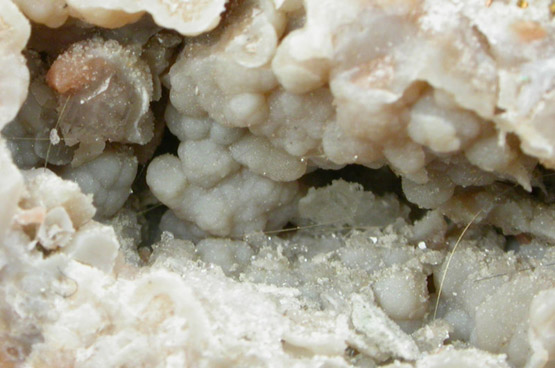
(451, 266)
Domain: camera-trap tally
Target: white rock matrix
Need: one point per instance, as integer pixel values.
(177, 183)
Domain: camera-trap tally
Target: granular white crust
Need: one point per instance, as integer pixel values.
(452, 95)
(14, 76)
(187, 17)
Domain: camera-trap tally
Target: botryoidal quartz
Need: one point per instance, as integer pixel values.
(166, 199)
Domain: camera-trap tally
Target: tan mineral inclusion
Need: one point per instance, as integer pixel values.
(277, 183)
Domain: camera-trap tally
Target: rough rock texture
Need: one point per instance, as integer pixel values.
(317, 299)
(433, 99)
(14, 77)
(105, 92)
(108, 178)
(91, 100)
(452, 265)
(222, 178)
(190, 18)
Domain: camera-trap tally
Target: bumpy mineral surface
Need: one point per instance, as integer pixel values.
(277, 183)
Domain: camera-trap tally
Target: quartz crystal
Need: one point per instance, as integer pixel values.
(277, 183)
